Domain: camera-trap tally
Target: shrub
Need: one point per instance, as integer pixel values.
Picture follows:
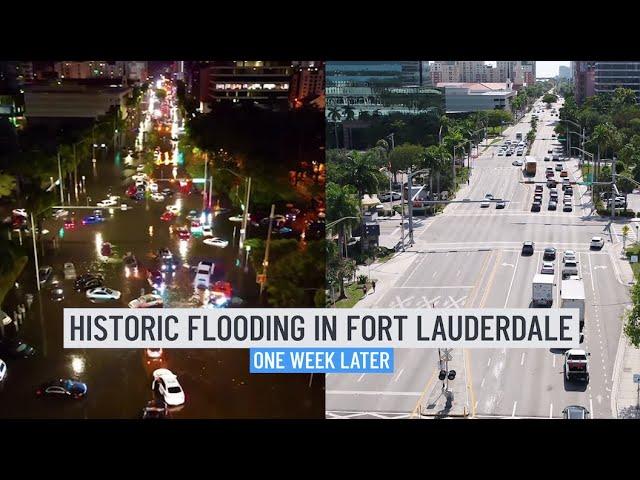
(362, 279)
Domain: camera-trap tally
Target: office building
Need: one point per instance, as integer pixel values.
(95, 69)
(564, 72)
(444, 72)
(461, 97)
(136, 72)
(374, 73)
(261, 82)
(612, 75)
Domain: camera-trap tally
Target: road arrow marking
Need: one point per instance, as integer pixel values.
(599, 266)
(505, 264)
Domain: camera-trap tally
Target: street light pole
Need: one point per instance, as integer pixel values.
(35, 250)
(265, 262)
(243, 231)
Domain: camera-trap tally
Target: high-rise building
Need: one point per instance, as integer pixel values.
(136, 72)
(612, 75)
(307, 82)
(564, 72)
(584, 80)
(528, 71)
(257, 81)
(98, 69)
(444, 72)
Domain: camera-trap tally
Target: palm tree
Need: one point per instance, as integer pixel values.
(335, 116)
(342, 201)
(605, 136)
(348, 112)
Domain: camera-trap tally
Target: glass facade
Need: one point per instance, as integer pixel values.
(612, 75)
(373, 73)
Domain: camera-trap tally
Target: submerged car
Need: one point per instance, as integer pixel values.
(63, 387)
(167, 385)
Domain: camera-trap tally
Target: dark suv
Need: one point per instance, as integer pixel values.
(528, 248)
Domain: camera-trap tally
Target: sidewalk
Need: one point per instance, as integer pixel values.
(385, 275)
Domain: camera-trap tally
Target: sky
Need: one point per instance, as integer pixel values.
(549, 69)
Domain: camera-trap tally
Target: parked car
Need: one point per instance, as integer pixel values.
(157, 197)
(88, 281)
(207, 231)
(16, 349)
(63, 387)
(167, 385)
(59, 213)
(103, 293)
(44, 273)
(149, 300)
(92, 219)
(69, 271)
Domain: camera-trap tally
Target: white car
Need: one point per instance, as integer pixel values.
(3, 370)
(69, 271)
(485, 204)
(21, 212)
(569, 256)
(154, 353)
(547, 268)
(149, 300)
(517, 163)
(157, 197)
(173, 209)
(153, 187)
(167, 384)
(60, 212)
(107, 203)
(124, 206)
(216, 242)
(207, 231)
(597, 242)
(103, 293)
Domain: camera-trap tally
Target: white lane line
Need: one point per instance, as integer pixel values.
(399, 374)
(593, 286)
(372, 392)
(393, 234)
(551, 410)
(554, 361)
(482, 383)
(513, 413)
(434, 275)
(424, 288)
(522, 359)
(360, 377)
(593, 415)
(489, 362)
(458, 274)
(515, 269)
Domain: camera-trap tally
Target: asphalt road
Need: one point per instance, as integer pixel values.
(470, 257)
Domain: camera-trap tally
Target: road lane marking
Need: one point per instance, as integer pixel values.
(432, 288)
(424, 392)
(373, 392)
(474, 292)
(361, 377)
(399, 374)
(454, 303)
(492, 278)
(593, 286)
(593, 414)
(489, 362)
(551, 410)
(522, 359)
(434, 275)
(513, 413)
(554, 361)
(515, 269)
(467, 368)
(482, 383)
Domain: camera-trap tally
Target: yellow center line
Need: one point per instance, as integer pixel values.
(424, 392)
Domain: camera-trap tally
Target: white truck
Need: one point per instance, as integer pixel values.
(572, 296)
(576, 365)
(543, 289)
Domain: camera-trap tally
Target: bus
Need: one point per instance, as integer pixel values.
(519, 136)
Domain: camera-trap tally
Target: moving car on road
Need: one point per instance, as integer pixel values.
(569, 256)
(547, 268)
(157, 197)
(63, 388)
(549, 253)
(183, 233)
(59, 213)
(167, 216)
(69, 224)
(107, 203)
(597, 243)
(167, 385)
(570, 268)
(575, 412)
(485, 204)
(528, 248)
(103, 293)
(576, 365)
(207, 231)
(149, 300)
(89, 280)
(501, 204)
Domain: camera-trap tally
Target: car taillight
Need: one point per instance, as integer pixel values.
(38, 392)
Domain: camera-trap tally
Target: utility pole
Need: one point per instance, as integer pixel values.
(265, 262)
(402, 214)
(410, 204)
(204, 189)
(35, 250)
(612, 199)
(243, 231)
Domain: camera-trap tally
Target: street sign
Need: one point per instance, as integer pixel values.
(634, 259)
(636, 378)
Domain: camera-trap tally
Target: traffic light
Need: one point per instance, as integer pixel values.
(443, 375)
(452, 374)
